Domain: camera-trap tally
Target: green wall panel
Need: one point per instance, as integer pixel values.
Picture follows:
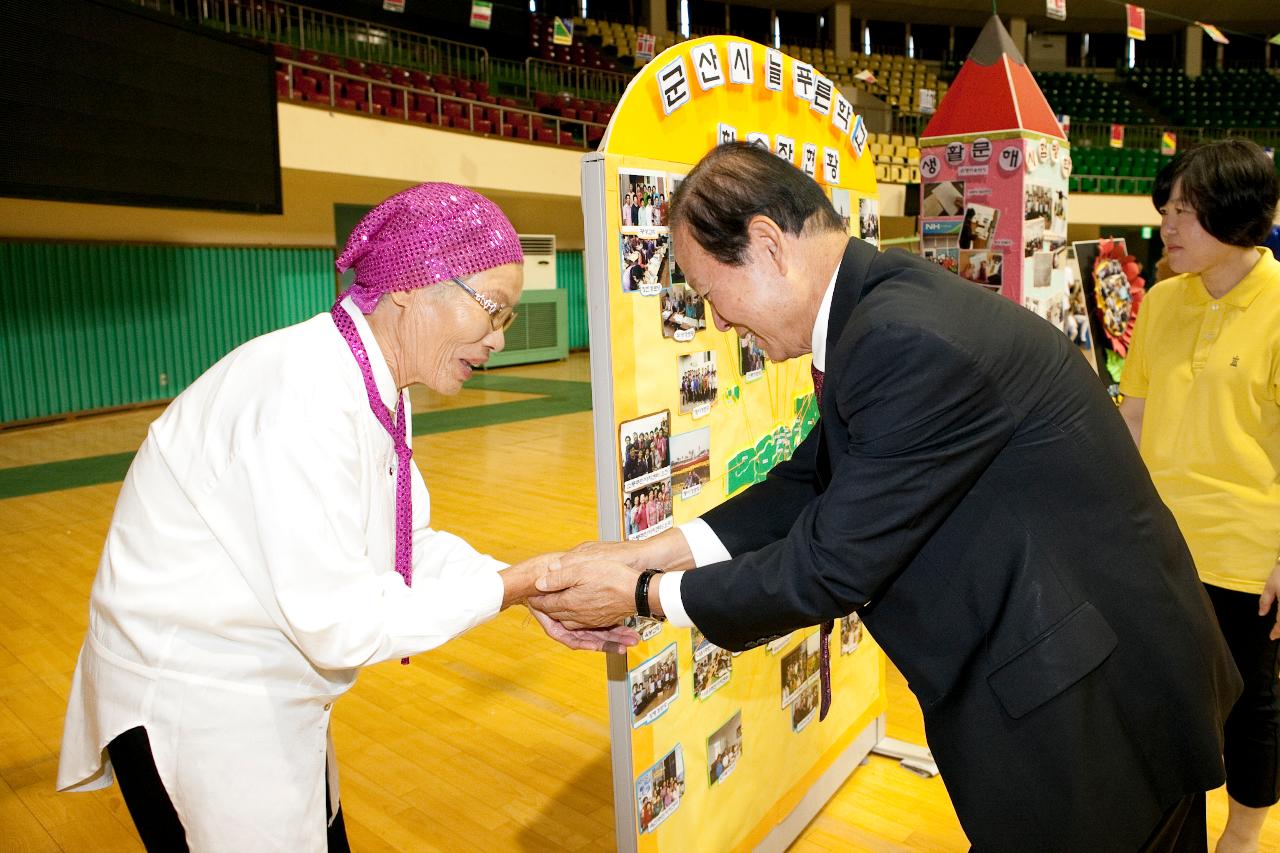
(570, 277)
(93, 326)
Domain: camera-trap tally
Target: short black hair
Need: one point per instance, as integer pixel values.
(737, 181)
(1230, 183)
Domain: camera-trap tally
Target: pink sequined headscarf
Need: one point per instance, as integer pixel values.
(424, 235)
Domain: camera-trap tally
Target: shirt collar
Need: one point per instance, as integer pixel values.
(819, 346)
(1263, 272)
(377, 361)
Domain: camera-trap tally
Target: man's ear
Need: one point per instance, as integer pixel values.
(401, 298)
(767, 244)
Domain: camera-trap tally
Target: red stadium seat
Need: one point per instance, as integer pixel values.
(482, 126)
(545, 134)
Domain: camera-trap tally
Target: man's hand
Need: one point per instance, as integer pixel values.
(1269, 594)
(588, 594)
(668, 550)
(612, 640)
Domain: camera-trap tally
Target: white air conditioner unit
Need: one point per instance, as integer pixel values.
(539, 261)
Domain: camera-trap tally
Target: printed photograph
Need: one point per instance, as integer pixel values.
(805, 709)
(712, 667)
(647, 510)
(842, 201)
(684, 312)
(644, 199)
(1032, 237)
(691, 461)
(655, 684)
(645, 446)
(698, 383)
(724, 748)
(947, 258)
(869, 220)
(647, 628)
(978, 226)
(982, 266)
(850, 633)
(659, 789)
(643, 260)
(797, 667)
(945, 198)
(750, 358)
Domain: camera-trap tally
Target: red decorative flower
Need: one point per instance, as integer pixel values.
(1118, 289)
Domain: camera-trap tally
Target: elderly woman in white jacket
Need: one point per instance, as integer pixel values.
(272, 537)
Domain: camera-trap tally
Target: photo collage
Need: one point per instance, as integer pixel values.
(799, 672)
(959, 226)
(645, 460)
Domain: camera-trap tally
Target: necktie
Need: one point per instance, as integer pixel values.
(399, 432)
(824, 632)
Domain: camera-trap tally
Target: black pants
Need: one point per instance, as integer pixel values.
(1251, 745)
(151, 809)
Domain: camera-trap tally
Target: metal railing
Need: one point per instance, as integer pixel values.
(402, 96)
(311, 29)
(1098, 134)
(544, 75)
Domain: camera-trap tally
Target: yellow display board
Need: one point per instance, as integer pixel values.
(712, 751)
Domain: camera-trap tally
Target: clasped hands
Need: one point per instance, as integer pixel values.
(580, 597)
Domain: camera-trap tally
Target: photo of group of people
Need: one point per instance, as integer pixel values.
(712, 666)
(684, 313)
(850, 633)
(805, 708)
(842, 201)
(724, 748)
(698, 383)
(1115, 298)
(655, 684)
(647, 511)
(643, 262)
(659, 789)
(982, 266)
(644, 447)
(750, 358)
(947, 258)
(691, 461)
(644, 199)
(1032, 237)
(646, 450)
(797, 667)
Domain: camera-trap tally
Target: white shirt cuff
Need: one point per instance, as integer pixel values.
(704, 544)
(669, 598)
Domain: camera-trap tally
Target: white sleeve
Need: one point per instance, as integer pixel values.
(704, 543)
(672, 603)
(287, 511)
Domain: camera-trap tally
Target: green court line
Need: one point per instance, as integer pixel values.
(555, 397)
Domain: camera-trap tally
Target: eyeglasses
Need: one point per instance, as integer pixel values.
(500, 316)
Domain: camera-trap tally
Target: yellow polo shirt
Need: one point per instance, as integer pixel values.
(1209, 370)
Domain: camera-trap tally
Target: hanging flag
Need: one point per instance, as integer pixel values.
(645, 44)
(1065, 121)
(1214, 33)
(1117, 136)
(1275, 39)
(928, 100)
(563, 32)
(865, 76)
(481, 14)
(1137, 21)
(393, 5)
(1056, 9)
(1168, 143)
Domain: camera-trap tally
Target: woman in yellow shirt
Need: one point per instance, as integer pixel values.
(1201, 392)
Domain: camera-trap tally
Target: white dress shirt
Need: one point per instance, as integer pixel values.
(703, 542)
(247, 575)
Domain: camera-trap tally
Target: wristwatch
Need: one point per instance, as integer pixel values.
(642, 594)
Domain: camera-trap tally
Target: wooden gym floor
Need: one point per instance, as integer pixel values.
(498, 741)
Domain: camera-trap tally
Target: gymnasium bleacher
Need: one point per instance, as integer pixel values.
(565, 94)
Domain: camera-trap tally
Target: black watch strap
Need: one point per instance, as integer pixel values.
(642, 593)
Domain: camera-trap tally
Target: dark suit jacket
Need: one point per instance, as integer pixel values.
(971, 489)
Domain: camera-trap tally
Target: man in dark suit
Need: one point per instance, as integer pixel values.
(971, 490)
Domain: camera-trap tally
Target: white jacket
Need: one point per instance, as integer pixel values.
(247, 576)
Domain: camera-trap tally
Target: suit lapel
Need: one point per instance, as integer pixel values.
(851, 282)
